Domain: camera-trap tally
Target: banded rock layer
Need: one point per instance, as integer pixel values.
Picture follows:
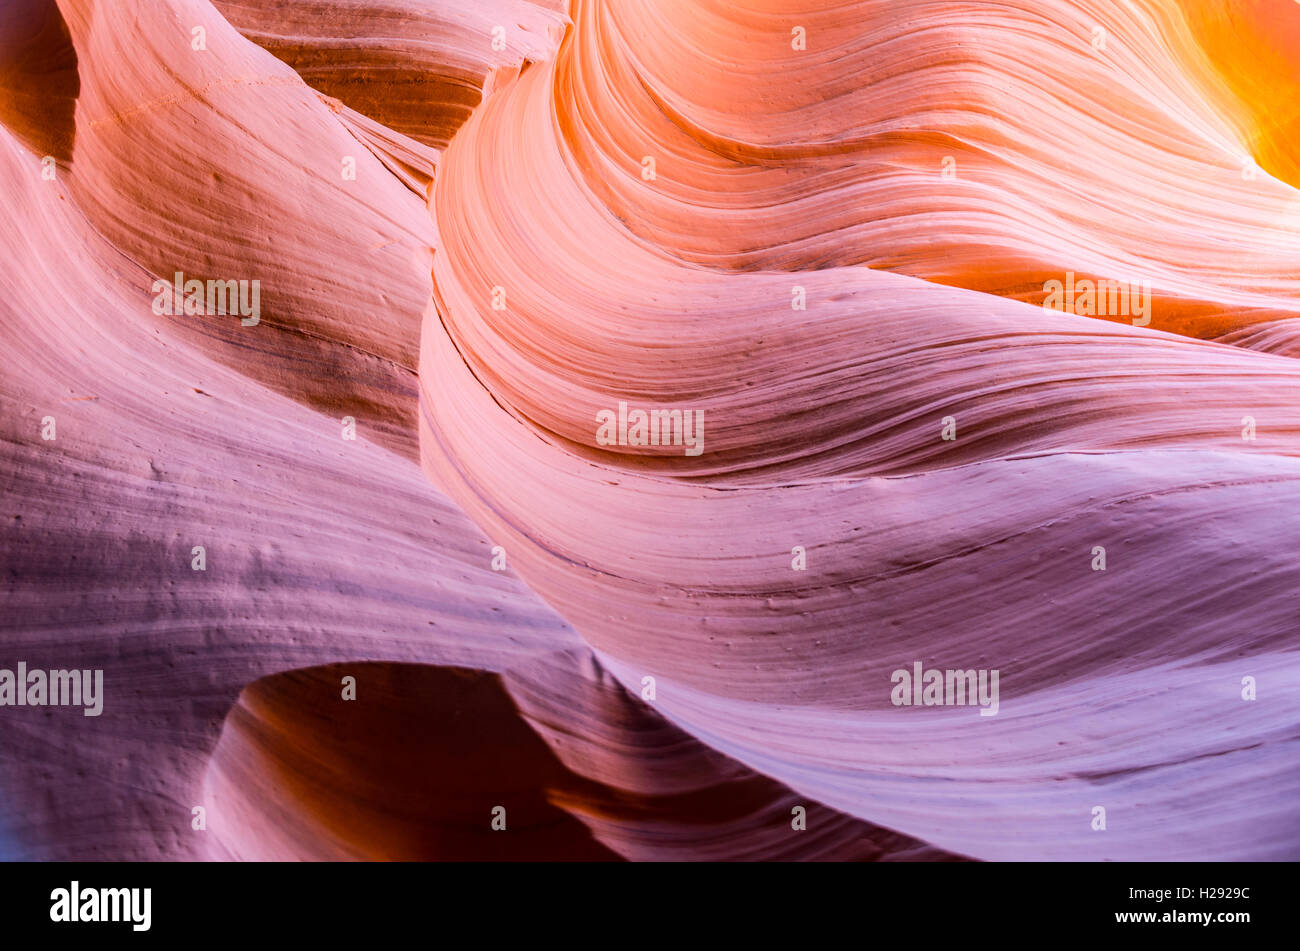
(823, 233)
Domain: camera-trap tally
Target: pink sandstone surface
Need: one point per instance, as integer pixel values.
(617, 201)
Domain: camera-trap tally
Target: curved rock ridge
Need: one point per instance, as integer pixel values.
(248, 181)
(987, 565)
(314, 550)
(853, 382)
(639, 403)
(895, 471)
(993, 147)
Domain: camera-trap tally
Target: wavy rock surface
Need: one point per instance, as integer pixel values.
(1123, 162)
(245, 181)
(823, 425)
(157, 449)
(826, 229)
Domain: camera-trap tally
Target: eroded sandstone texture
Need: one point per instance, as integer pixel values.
(593, 411)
